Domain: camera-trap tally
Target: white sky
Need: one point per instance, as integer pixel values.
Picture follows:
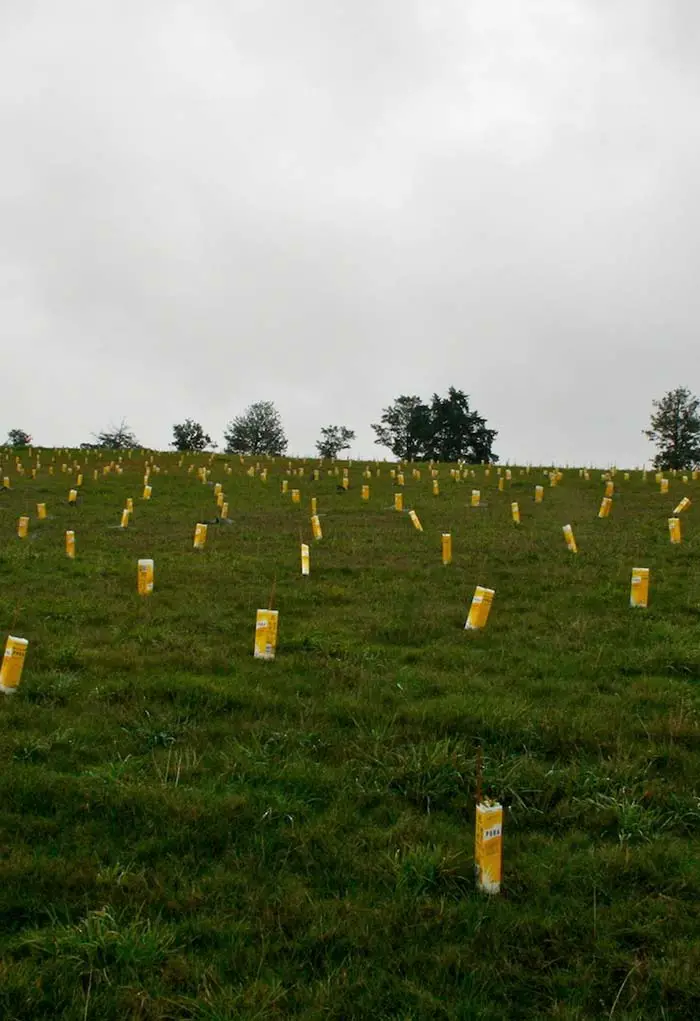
(328, 203)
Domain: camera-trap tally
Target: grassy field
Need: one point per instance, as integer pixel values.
(187, 832)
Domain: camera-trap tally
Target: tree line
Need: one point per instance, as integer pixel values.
(444, 429)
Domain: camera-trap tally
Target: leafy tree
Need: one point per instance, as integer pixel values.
(675, 429)
(404, 428)
(189, 435)
(257, 431)
(457, 433)
(334, 438)
(119, 437)
(18, 438)
(445, 430)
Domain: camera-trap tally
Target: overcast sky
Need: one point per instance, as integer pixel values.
(328, 203)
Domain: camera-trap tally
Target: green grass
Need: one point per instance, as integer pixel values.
(187, 832)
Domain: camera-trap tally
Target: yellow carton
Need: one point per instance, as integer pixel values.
(569, 537)
(200, 535)
(12, 664)
(126, 514)
(70, 544)
(683, 505)
(609, 488)
(416, 521)
(305, 560)
(446, 548)
(399, 479)
(145, 577)
(515, 512)
(6, 482)
(23, 527)
(265, 634)
(674, 529)
(79, 481)
(501, 484)
(72, 496)
(605, 507)
(220, 499)
(398, 501)
(663, 486)
(224, 511)
(476, 498)
(314, 505)
(488, 846)
(316, 526)
(147, 490)
(436, 487)
(639, 591)
(365, 492)
(217, 488)
(41, 511)
(285, 485)
(539, 494)
(130, 504)
(480, 608)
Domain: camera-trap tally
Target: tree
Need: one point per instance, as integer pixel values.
(675, 429)
(119, 437)
(334, 438)
(457, 433)
(445, 430)
(404, 428)
(257, 431)
(189, 435)
(18, 438)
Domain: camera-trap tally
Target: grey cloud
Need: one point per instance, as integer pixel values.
(328, 203)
